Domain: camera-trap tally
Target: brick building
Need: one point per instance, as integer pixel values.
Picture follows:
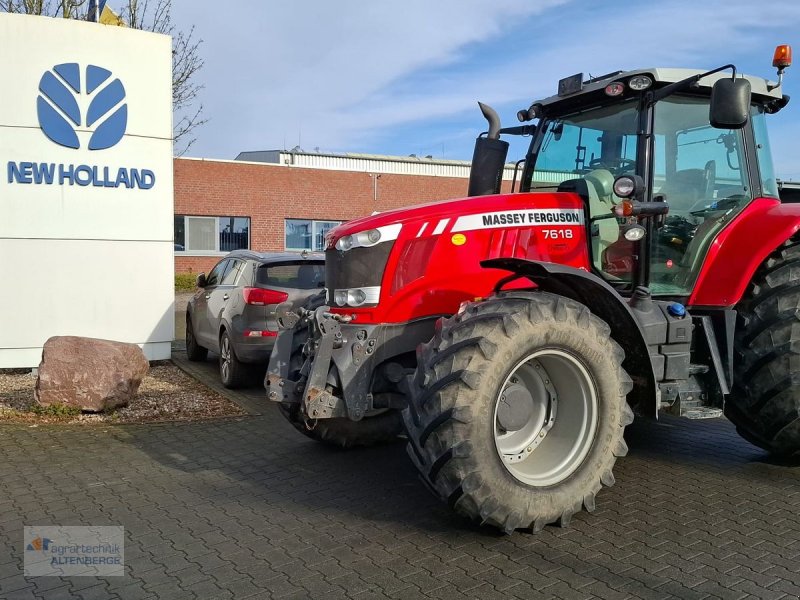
(276, 201)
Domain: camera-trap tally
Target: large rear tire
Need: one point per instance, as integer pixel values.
(518, 409)
(765, 401)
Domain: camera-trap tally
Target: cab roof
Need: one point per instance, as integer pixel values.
(662, 76)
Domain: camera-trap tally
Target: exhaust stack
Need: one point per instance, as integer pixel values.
(489, 158)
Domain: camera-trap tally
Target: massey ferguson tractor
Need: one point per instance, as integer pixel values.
(642, 262)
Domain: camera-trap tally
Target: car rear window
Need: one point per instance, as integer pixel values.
(303, 276)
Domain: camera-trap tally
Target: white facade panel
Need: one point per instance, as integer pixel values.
(34, 45)
(89, 288)
(79, 199)
(86, 190)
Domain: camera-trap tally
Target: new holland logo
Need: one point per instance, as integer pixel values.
(71, 106)
(62, 92)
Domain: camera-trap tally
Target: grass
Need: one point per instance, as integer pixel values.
(185, 282)
(58, 411)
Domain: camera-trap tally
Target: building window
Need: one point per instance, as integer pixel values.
(211, 234)
(305, 234)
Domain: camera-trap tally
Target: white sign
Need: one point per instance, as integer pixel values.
(534, 217)
(86, 192)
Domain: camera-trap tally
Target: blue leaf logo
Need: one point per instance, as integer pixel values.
(59, 111)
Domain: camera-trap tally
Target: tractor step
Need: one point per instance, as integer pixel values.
(687, 400)
(701, 412)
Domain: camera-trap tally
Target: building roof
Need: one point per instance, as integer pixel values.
(366, 163)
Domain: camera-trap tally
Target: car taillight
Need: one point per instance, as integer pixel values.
(259, 333)
(261, 296)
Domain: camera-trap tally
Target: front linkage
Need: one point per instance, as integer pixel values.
(329, 366)
(299, 368)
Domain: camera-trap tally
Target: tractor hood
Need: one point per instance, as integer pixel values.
(404, 263)
(469, 214)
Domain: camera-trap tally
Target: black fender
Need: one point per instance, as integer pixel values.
(605, 302)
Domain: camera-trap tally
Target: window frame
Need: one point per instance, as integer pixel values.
(315, 230)
(216, 251)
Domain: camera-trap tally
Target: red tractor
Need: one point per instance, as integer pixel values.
(645, 264)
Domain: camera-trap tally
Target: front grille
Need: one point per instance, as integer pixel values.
(358, 267)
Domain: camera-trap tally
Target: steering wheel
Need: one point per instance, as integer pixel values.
(719, 205)
(615, 165)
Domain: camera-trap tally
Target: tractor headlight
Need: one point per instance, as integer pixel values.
(369, 237)
(357, 296)
(340, 297)
(624, 186)
(345, 243)
(635, 233)
(640, 82)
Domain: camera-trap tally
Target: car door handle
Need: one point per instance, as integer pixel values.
(208, 296)
(225, 297)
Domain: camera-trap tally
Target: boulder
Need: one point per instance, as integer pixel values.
(94, 375)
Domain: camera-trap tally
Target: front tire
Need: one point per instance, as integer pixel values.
(765, 401)
(518, 409)
(380, 428)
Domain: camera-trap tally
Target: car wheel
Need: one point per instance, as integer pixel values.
(194, 351)
(232, 372)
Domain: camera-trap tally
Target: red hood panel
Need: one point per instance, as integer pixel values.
(434, 264)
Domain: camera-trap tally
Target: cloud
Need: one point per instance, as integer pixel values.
(274, 69)
(351, 75)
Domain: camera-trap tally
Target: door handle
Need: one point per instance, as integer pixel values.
(225, 297)
(208, 296)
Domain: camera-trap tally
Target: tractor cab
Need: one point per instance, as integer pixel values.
(663, 158)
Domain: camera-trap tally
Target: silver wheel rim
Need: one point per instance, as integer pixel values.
(545, 417)
(225, 357)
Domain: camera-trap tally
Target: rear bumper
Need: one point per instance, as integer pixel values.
(334, 375)
(257, 351)
(250, 349)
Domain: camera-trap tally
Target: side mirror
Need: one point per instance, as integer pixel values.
(201, 280)
(730, 103)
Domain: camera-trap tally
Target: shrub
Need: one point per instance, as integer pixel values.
(185, 282)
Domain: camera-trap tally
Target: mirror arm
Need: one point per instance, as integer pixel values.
(684, 83)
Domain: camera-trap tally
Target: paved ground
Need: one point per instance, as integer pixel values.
(249, 508)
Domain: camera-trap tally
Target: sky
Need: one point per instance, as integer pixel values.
(404, 77)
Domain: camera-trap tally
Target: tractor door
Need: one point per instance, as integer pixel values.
(597, 146)
(702, 173)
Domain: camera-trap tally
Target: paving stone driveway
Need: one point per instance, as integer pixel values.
(249, 508)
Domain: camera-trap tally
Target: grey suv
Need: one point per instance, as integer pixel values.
(233, 311)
